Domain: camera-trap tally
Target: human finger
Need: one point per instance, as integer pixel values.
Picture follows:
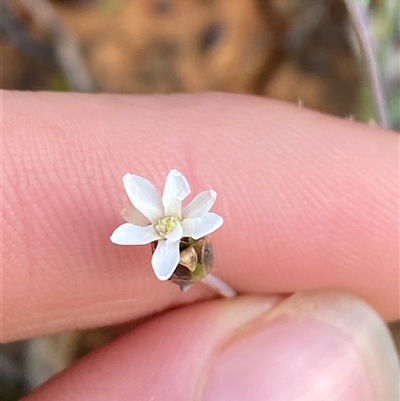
(312, 346)
(309, 201)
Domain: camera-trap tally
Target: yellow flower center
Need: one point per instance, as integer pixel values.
(166, 225)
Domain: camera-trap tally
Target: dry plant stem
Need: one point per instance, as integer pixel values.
(306, 24)
(364, 39)
(16, 32)
(65, 45)
(220, 286)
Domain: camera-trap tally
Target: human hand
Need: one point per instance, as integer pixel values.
(309, 202)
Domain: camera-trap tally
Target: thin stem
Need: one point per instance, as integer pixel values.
(306, 24)
(17, 33)
(217, 284)
(360, 26)
(66, 48)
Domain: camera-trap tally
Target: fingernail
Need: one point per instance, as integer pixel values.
(313, 346)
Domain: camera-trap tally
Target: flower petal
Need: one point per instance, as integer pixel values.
(197, 227)
(175, 234)
(133, 216)
(128, 234)
(143, 196)
(200, 205)
(165, 259)
(176, 189)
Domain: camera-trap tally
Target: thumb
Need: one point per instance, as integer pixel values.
(311, 346)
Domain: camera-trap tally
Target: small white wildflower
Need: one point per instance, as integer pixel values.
(166, 221)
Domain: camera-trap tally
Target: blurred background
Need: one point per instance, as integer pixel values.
(298, 51)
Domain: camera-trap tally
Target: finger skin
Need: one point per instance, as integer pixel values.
(308, 201)
(308, 347)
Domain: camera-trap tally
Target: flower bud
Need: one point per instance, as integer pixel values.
(196, 261)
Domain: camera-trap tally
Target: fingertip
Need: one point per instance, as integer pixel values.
(308, 201)
(313, 345)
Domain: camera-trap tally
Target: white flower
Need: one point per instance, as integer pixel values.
(166, 221)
